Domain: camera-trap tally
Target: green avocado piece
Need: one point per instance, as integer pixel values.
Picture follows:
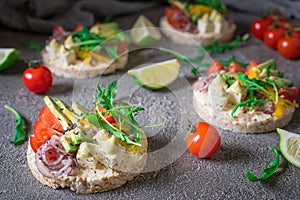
(106, 29)
(67, 110)
(281, 82)
(76, 137)
(67, 144)
(54, 108)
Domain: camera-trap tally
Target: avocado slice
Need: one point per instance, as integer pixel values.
(78, 109)
(76, 137)
(271, 64)
(63, 119)
(106, 29)
(281, 82)
(65, 109)
(67, 144)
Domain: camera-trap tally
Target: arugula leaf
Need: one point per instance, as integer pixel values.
(267, 172)
(35, 46)
(126, 127)
(216, 47)
(20, 135)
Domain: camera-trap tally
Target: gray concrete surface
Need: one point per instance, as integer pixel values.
(220, 177)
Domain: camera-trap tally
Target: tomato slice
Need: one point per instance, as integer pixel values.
(214, 67)
(49, 120)
(290, 93)
(107, 116)
(33, 143)
(234, 67)
(252, 64)
(78, 27)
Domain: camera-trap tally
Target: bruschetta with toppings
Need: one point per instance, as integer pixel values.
(202, 21)
(86, 53)
(258, 99)
(87, 150)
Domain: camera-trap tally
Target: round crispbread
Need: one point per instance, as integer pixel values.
(250, 122)
(86, 180)
(202, 39)
(79, 69)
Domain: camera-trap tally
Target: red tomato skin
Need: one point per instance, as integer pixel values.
(49, 120)
(37, 80)
(214, 67)
(234, 67)
(258, 27)
(275, 16)
(33, 143)
(78, 27)
(272, 36)
(252, 64)
(296, 33)
(290, 93)
(289, 47)
(205, 141)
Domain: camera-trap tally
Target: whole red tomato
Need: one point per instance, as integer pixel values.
(271, 37)
(204, 140)
(258, 27)
(289, 47)
(296, 33)
(38, 79)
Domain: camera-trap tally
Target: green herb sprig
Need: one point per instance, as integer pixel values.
(216, 47)
(255, 85)
(267, 172)
(20, 135)
(128, 129)
(35, 46)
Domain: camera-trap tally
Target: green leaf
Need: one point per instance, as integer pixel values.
(216, 47)
(35, 46)
(267, 172)
(20, 135)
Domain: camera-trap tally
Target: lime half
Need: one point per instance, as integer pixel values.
(144, 32)
(157, 75)
(290, 146)
(8, 56)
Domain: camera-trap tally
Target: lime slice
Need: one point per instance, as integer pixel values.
(144, 32)
(290, 146)
(8, 56)
(157, 75)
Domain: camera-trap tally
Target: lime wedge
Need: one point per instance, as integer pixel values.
(144, 32)
(157, 75)
(290, 146)
(8, 56)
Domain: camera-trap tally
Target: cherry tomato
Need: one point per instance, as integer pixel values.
(276, 16)
(252, 64)
(289, 47)
(214, 67)
(271, 37)
(38, 79)
(48, 119)
(204, 141)
(234, 67)
(258, 27)
(290, 93)
(296, 33)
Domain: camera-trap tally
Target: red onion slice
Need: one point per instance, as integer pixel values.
(62, 163)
